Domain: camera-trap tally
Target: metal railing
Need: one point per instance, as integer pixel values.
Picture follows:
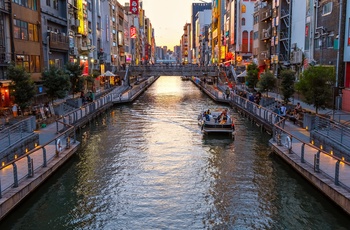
(41, 155)
(332, 130)
(335, 168)
(15, 133)
(25, 166)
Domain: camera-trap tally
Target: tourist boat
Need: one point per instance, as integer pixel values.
(216, 121)
(185, 78)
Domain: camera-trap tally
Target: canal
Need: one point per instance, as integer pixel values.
(147, 166)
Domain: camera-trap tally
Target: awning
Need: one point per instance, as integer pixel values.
(5, 83)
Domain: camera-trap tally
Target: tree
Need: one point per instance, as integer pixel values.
(252, 75)
(287, 84)
(74, 70)
(267, 82)
(90, 80)
(23, 88)
(316, 85)
(57, 83)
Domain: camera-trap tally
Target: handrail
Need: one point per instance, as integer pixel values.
(41, 155)
(13, 134)
(279, 132)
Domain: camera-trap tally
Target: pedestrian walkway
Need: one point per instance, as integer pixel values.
(328, 173)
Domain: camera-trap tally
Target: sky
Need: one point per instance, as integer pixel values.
(168, 18)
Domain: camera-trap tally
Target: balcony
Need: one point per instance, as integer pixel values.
(266, 33)
(59, 41)
(265, 14)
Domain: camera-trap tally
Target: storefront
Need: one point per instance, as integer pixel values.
(5, 100)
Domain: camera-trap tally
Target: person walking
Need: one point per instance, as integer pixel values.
(15, 110)
(283, 110)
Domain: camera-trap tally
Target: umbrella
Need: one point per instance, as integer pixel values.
(108, 74)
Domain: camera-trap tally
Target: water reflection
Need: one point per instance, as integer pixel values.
(148, 166)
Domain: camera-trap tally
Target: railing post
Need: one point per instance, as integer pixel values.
(44, 158)
(30, 166)
(302, 158)
(317, 162)
(336, 176)
(15, 176)
(68, 142)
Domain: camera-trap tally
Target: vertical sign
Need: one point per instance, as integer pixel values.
(132, 32)
(134, 6)
(80, 14)
(233, 28)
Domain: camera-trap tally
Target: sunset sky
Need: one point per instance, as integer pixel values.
(168, 18)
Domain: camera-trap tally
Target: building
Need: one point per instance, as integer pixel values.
(6, 55)
(196, 7)
(203, 20)
(186, 44)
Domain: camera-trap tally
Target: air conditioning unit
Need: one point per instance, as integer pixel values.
(72, 21)
(296, 57)
(96, 61)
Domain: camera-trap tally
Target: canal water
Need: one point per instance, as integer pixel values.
(147, 166)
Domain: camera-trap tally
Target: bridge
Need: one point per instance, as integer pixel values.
(173, 70)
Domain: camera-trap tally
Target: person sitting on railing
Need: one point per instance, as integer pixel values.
(298, 108)
(295, 117)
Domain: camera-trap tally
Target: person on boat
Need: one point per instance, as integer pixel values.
(223, 117)
(207, 113)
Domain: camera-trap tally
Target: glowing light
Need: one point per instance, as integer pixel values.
(321, 146)
(16, 156)
(3, 164)
(27, 150)
(331, 152)
(312, 142)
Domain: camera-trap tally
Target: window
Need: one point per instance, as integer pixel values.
(48, 2)
(317, 43)
(244, 9)
(256, 35)
(25, 31)
(251, 41)
(245, 41)
(256, 19)
(31, 4)
(243, 21)
(55, 4)
(30, 63)
(35, 64)
(330, 41)
(327, 8)
(23, 60)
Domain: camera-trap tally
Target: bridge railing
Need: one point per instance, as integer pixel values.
(174, 68)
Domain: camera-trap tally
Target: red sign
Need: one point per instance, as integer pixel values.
(132, 32)
(134, 6)
(306, 31)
